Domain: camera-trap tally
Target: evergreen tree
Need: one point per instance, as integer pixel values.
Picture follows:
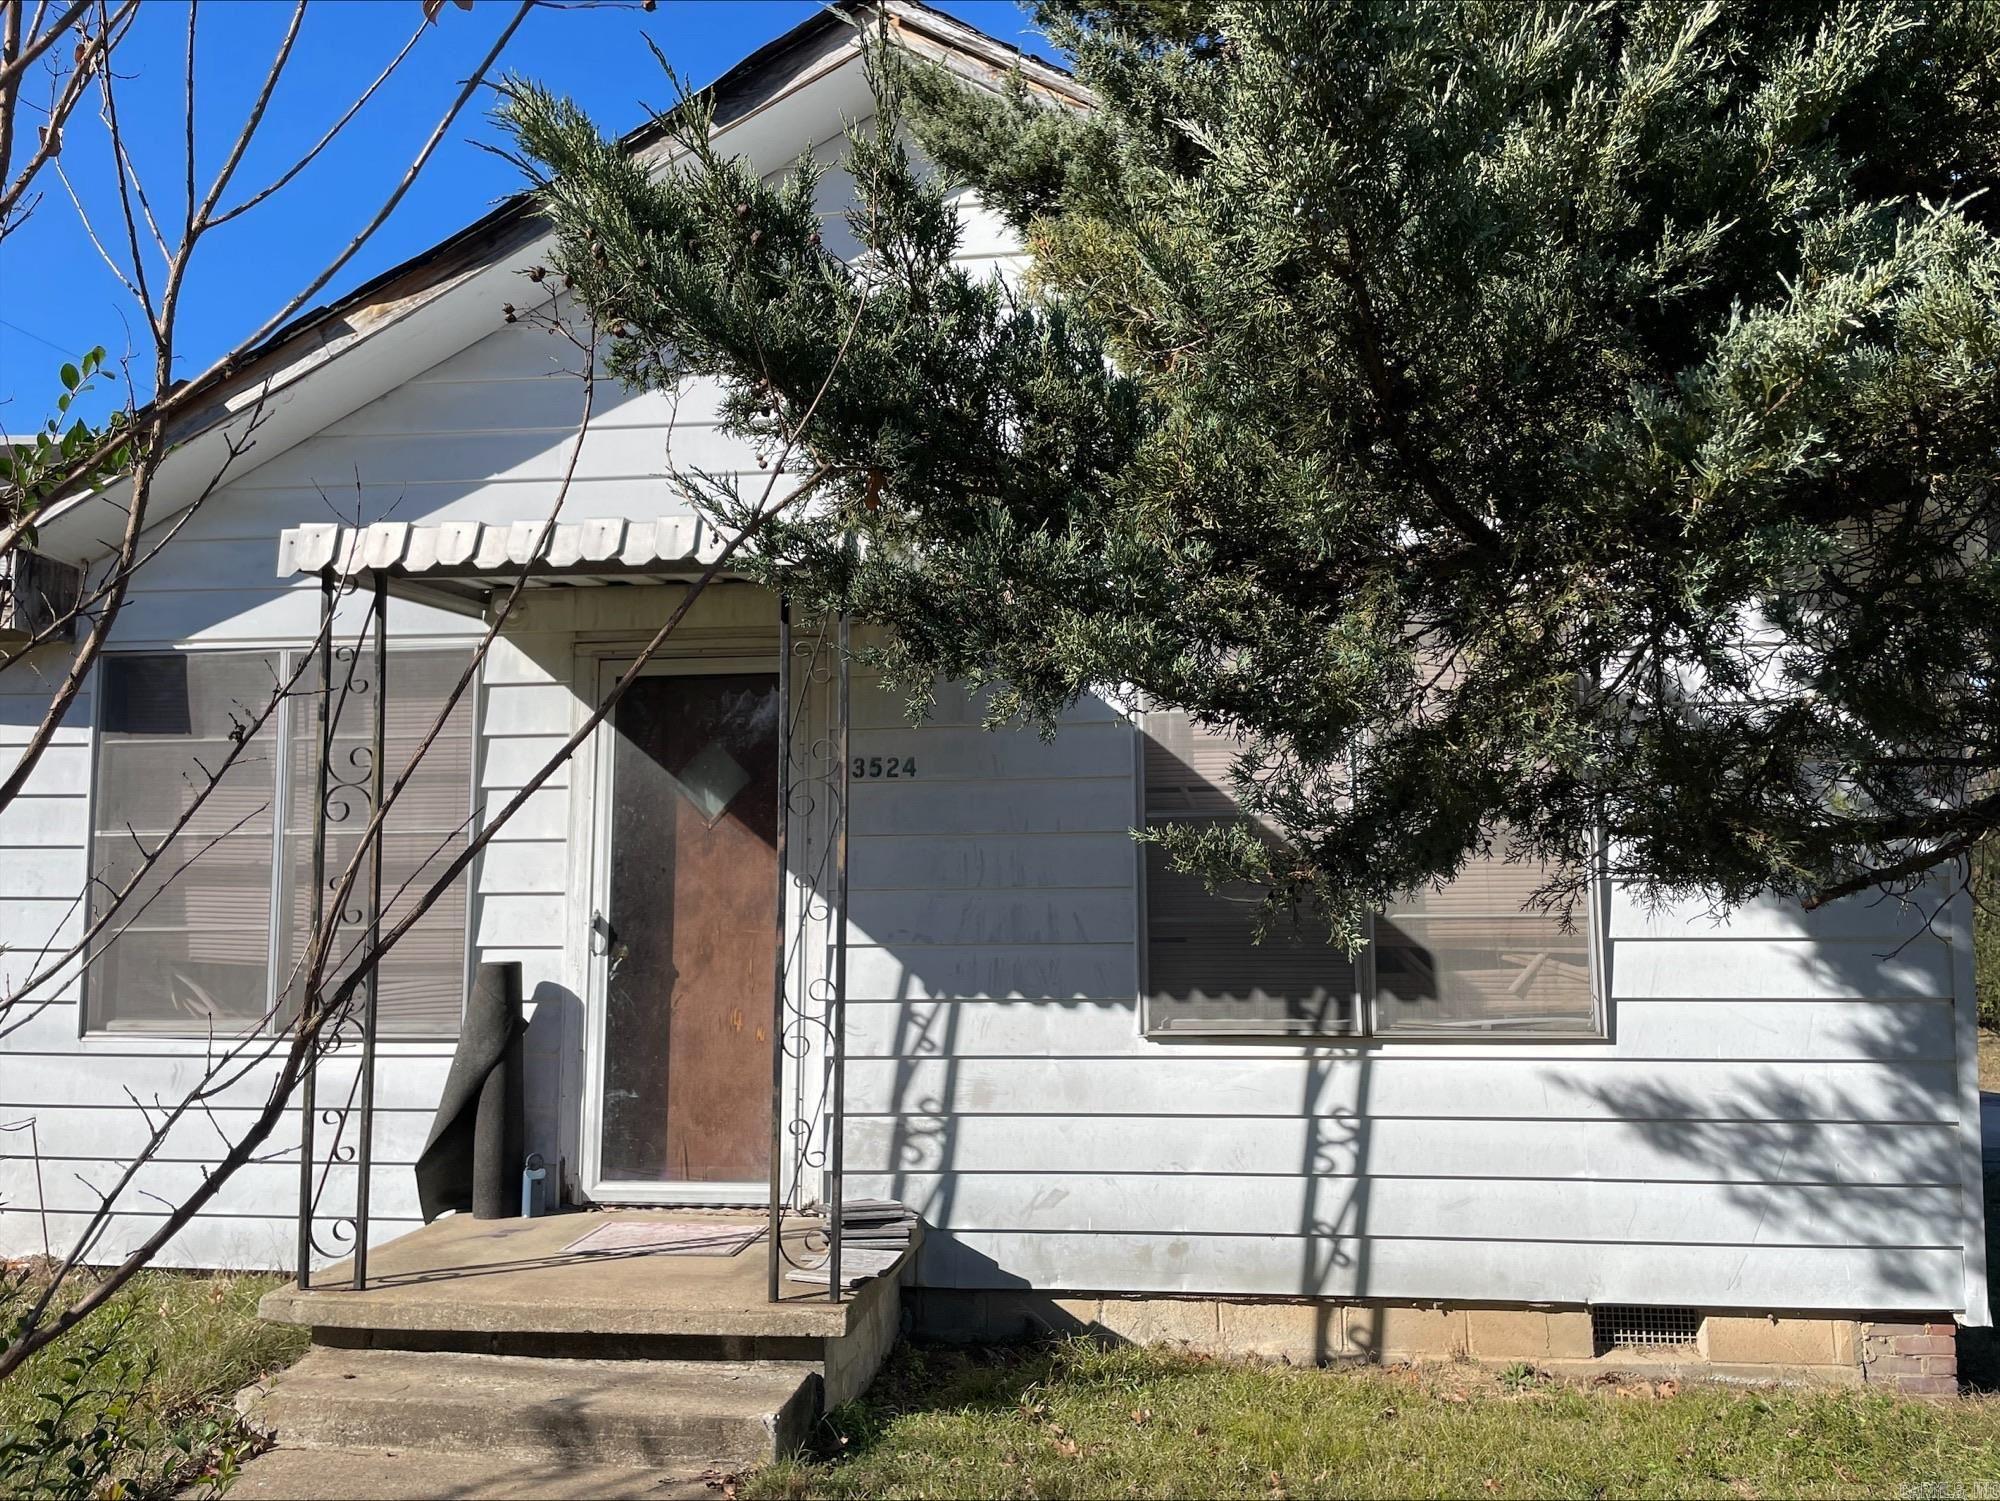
(1545, 423)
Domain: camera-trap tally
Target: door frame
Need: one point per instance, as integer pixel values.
(598, 669)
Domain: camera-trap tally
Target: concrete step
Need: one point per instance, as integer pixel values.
(725, 1415)
(394, 1475)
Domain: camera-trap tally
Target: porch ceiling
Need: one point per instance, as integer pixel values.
(458, 564)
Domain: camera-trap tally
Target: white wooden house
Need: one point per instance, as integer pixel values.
(1075, 1067)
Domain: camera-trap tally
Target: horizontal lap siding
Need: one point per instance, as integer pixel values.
(431, 457)
(44, 835)
(1493, 1270)
(484, 436)
(1471, 1211)
(240, 1242)
(1775, 1031)
(1774, 1122)
(1049, 1147)
(528, 710)
(1493, 1088)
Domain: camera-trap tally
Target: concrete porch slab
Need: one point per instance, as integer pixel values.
(514, 1277)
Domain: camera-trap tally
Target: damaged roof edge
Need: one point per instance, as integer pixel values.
(312, 339)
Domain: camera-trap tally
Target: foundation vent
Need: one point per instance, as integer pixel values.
(1618, 1326)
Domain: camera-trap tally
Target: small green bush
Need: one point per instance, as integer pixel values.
(135, 1402)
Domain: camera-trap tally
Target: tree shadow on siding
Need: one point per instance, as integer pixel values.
(1329, 1242)
(1807, 1163)
(1333, 1231)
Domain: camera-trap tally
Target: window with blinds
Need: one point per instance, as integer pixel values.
(193, 940)
(1472, 958)
(197, 945)
(421, 989)
(1205, 970)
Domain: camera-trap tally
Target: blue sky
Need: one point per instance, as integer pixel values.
(57, 297)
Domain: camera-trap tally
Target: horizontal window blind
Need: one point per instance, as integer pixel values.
(1477, 956)
(421, 989)
(1206, 972)
(193, 946)
(1473, 957)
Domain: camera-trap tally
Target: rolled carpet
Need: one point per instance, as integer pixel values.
(472, 1159)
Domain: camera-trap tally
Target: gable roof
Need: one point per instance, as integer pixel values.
(333, 359)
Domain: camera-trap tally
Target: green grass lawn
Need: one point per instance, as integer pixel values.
(188, 1342)
(1074, 1420)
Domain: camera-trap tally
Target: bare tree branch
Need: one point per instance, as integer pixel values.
(40, 42)
(388, 207)
(325, 140)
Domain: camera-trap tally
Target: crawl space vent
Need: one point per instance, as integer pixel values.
(1615, 1326)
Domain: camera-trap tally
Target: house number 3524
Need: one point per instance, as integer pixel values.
(866, 768)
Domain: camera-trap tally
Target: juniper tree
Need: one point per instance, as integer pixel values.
(1550, 424)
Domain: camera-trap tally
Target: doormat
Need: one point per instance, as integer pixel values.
(667, 1237)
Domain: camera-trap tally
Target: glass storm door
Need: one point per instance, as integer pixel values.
(683, 938)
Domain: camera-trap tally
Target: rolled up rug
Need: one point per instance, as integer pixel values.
(472, 1159)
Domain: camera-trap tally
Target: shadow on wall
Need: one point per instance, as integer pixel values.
(552, 1046)
(931, 1115)
(31, 682)
(374, 468)
(1800, 1156)
(1330, 1237)
(1000, 1114)
(1818, 1136)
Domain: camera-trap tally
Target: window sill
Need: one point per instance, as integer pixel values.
(1334, 1044)
(180, 1044)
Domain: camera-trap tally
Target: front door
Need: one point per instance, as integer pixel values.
(683, 938)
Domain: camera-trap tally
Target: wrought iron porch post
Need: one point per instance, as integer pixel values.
(837, 1001)
(371, 986)
(308, 1086)
(776, 1231)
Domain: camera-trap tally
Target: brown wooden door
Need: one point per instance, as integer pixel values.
(688, 931)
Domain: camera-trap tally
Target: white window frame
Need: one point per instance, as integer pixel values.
(1365, 1028)
(88, 1027)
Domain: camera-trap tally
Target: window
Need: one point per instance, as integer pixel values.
(1204, 970)
(192, 947)
(422, 985)
(1467, 960)
(195, 945)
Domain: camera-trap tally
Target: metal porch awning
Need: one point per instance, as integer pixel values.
(457, 565)
(461, 566)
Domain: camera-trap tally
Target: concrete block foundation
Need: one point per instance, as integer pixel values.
(1913, 1357)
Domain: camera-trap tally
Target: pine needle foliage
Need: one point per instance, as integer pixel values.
(1573, 425)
